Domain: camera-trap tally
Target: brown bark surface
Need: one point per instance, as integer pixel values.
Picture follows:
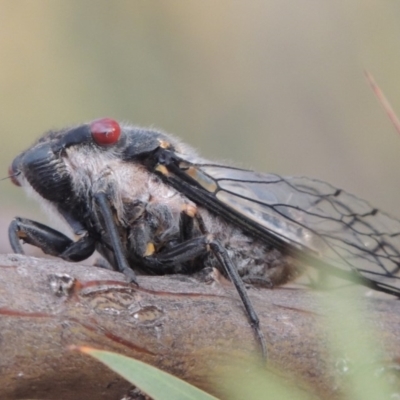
(179, 324)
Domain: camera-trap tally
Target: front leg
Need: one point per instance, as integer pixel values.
(103, 204)
(49, 240)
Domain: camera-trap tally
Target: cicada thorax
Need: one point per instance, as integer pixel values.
(146, 213)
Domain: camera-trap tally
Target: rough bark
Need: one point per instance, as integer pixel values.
(179, 324)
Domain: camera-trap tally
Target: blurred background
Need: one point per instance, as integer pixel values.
(273, 85)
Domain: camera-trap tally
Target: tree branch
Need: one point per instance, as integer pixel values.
(177, 323)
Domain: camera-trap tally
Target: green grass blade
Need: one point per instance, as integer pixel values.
(152, 381)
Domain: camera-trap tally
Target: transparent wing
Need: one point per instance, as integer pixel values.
(345, 231)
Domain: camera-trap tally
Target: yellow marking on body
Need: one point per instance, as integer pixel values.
(202, 179)
(184, 165)
(164, 144)
(190, 210)
(162, 169)
(150, 249)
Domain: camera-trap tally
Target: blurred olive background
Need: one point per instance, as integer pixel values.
(274, 85)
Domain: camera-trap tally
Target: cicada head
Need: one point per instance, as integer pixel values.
(64, 168)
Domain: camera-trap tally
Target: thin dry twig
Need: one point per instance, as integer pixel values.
(383, 100)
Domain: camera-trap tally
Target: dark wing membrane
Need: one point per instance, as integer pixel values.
(340, 228)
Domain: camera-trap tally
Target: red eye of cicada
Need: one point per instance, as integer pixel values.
(105, 131)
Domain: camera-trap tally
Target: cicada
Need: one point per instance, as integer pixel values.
(149, 204)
